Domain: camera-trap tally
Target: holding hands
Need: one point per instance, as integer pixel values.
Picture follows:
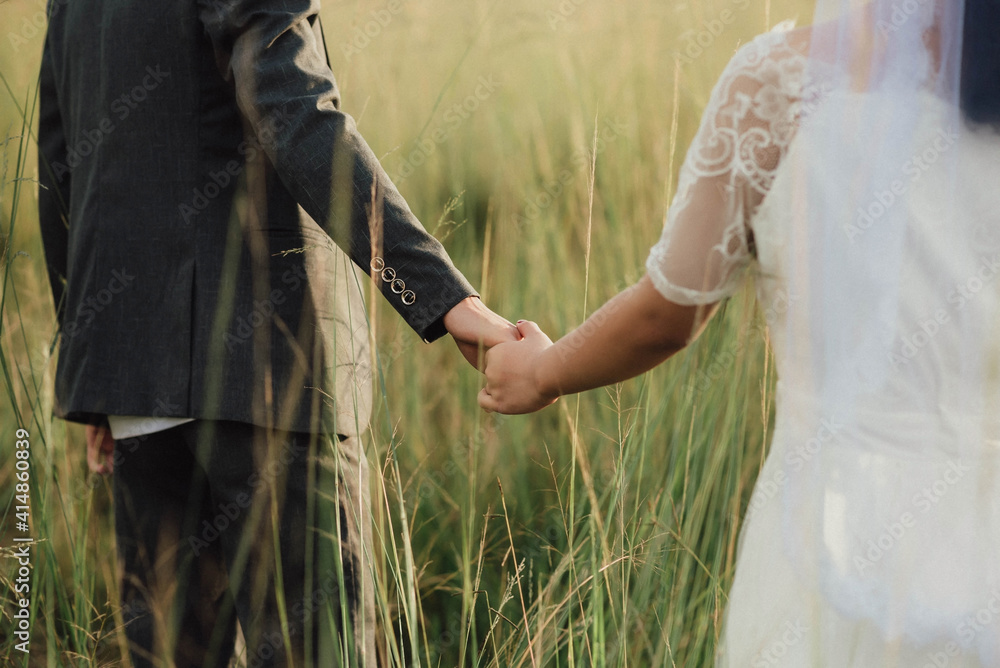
(526, 371)
(512, 353)
(629, 335)
(512, 380)
(474, 327)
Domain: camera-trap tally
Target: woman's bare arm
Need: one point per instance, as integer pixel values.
(632, 333)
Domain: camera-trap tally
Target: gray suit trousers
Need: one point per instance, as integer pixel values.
(219, 522)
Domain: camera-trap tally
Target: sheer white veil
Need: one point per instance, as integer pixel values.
(873, 70)
(892, 328)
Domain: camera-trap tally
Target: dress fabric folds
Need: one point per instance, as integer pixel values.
(872, 537)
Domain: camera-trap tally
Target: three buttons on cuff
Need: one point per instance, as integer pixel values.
(388, 275)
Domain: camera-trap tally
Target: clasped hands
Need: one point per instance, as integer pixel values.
(513, 357)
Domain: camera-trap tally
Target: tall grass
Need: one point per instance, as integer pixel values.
(600, 532)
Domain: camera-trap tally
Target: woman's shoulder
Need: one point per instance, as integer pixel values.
(775, 60)
(764, 85)
(785, 41)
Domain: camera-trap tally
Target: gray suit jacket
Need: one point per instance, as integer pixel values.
(196, 173)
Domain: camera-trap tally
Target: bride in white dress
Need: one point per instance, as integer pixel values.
(854, 167)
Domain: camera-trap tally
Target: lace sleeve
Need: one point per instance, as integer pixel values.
(750, 120)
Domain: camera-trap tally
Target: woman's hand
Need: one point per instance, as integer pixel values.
(512, 385)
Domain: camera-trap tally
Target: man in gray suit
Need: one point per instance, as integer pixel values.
(195, 174)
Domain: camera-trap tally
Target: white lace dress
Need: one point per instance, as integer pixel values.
(875, 543)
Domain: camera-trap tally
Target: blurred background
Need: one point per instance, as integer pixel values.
(540, 140)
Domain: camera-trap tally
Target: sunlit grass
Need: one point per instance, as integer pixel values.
(600, 532)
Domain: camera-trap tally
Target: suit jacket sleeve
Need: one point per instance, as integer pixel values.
(273, 53)
(54, 184)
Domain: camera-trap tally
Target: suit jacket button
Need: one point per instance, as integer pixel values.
(409, 297)
(388, 274)
(378, 264)
(397, 286)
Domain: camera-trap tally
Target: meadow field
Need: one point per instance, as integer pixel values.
(540, 140)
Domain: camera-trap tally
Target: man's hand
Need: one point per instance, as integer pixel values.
(100, 449)
(476, 328)
(512, 383)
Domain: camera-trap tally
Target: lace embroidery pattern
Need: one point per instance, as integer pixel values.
(750, 121)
